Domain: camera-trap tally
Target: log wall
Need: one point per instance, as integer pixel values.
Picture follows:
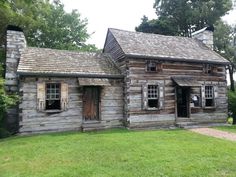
(34, 121)
(137, 76)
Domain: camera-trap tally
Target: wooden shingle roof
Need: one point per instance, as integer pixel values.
(43, 61)
(155, 46)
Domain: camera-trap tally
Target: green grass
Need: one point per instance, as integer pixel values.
(117, 153)
(231, 128)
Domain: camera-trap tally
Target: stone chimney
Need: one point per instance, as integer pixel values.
(15, 44)
(205, 35)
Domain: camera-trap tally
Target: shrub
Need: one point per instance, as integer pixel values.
(4, 133)
(230, 120)
(5, 102)
(232, 105)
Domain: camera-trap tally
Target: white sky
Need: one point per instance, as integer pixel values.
(121, 14)
(104, 14)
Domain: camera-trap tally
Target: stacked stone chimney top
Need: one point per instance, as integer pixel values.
(205, 35)
(15, 44)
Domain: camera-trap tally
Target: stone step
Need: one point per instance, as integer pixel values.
(183, 120)
(185, 124)
(93, 125)
(190, 125)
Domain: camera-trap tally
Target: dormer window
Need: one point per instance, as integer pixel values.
(151, 66)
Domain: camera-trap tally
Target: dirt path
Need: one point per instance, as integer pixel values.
(215, 133)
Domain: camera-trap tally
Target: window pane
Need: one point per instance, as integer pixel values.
(151, 66)
(209, 92)
(152, 91)
(52, 96)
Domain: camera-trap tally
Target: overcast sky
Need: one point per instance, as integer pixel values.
(121, 14)
(103, 14)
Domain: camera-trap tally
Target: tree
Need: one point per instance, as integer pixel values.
(185, 16)
(224, 44)
(161, 26)
(46, 24)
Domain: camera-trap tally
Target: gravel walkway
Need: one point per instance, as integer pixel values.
(215, 133)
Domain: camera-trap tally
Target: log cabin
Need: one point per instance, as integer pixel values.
(138, 81)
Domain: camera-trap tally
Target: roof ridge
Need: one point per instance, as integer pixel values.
(155, 34)
(64, 50)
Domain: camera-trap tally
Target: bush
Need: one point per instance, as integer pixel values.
(230, 120)
(5, 102)
(4, 133)
(232, 105)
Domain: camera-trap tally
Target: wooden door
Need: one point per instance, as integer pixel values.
(91, 103)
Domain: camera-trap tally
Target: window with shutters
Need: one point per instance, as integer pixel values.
(153, 95)
(209, 96)
(53, 96)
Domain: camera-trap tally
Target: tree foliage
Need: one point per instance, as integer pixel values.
(232, 105)
(181, 17)
(225, 45)
(46, 24)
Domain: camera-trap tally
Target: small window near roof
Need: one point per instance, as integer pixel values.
(208, 69)
(53, 97)
(151, 66)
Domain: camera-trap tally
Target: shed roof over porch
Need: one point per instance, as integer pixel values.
(184, 81)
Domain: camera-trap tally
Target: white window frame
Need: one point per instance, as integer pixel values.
(159, 95)
(53, 93)
(153, 94)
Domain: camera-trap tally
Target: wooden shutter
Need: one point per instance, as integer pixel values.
(203, 96)
(145, 96)
(215, 95)
(64, 96)
(161, 96)
(41, 96)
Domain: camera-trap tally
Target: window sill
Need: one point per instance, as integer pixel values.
(210, 107)
(53, 111)
(152, 109)
(196, 107)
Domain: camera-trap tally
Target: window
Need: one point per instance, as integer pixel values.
(151, 66)
(53, 96)
(153, 96)
(209, 96)
(209, 69)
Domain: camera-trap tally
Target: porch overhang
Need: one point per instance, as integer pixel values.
(94, 82)
(184, 81)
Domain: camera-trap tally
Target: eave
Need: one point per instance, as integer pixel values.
(133, 56)
(75, 75)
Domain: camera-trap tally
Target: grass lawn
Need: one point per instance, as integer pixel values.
(117, 153)
(231, 128)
